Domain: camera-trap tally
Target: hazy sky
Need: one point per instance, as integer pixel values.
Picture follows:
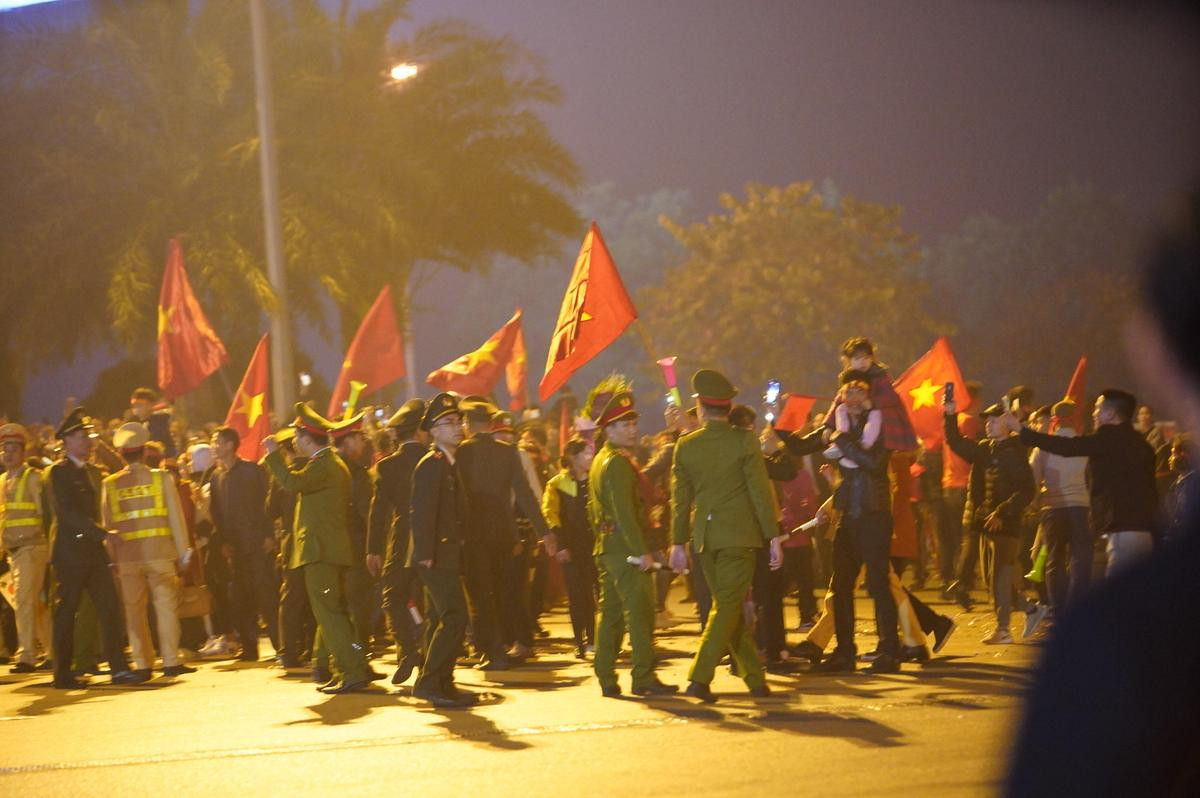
(947, 108)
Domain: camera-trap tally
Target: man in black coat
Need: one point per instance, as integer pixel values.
(387, 533)
(78, 555)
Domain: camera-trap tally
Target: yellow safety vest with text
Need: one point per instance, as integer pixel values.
(138, 510)
(21, 513)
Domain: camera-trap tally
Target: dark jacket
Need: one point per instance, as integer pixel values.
(387, 529)
(239, 506)
(493, 478)
(1001, 479)
(438, 509)
(861, 490)
(77, 537)
(361, 488)
(1121, 465)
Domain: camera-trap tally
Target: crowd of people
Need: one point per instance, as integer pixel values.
(448, 528)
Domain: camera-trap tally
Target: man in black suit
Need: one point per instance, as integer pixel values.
(387, 533)
(493, 478)
(78, 555)
(436, 553)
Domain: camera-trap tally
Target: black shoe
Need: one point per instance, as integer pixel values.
(68, 683)
(884, 663)
(46, 665)
(405, 669)
(610, 690)
(339, 687)
(438, 699)
(465, 698)
(178, 670)
(139, 676)
(374, 675)
(248, 658)
(540, 632)
(321, 676)
(780, 666)
(960, 595)
(502, 663)
(760, 691)
(656, 688)
(701, 691)
(807, 650)
(835, 663)
(914, 654)
(942, 629)
(23, 667)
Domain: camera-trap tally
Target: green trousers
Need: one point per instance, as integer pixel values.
(335, 630)
(729, 573)
(357, 587)
(445, 628)
(626, 602)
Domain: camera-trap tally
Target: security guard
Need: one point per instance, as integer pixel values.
(23, 525)
(148, 542)
(721, 500)
(388, 532)
(78, 556)
(322, 545)
(351, 447)
(619, 521)
(436, 552)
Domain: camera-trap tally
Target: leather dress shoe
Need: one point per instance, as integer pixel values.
(494, 664)
(884, 663)
(914, 654)
(68, 683)
(435, 697)
(610, 690)
(760, 691)
(340, 686)
(701, 691)
(23, 667)
(46, 665)
(465, 698)
(321, 675)
(656, 688)
(405, 669)
(139, 676)
(835, 663)
(178, 670)
(808, 650)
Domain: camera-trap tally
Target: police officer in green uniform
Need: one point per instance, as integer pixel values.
(721, 500)
(351, 446)
(618, 518)
(436, 552)
(322, 544)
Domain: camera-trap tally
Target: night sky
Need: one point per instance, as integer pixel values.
(947, 108)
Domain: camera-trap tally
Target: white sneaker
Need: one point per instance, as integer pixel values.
(1000, 637)
(1033, 620)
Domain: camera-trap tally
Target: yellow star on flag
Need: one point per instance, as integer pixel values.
(165, 319)
(251, 407)
(482, 354)
(923, 395)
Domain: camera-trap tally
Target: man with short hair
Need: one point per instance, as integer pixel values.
(142, 409)
(23, 522)
(1124, 495)
(148, 541)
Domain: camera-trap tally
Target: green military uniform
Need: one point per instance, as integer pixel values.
(618, 519)
(721, 498)
(321, 545)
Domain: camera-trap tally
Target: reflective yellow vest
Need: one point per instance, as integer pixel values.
(20, 518)
(138, 510)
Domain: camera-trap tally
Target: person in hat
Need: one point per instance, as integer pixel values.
(144, 407)
(436, 552)
(243, 537)
(322, 543)
(350, 441)
(23, 526)
(78, 555)
(388, 534)
(619, 519)
(297, 627)
(1000, 486)
(148, 541)
(722, 502)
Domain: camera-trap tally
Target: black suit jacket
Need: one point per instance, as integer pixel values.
(492, 476)
(387, 530)
(438, 509)
(77, 535)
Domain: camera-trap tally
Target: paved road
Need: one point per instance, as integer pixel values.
(942, 729)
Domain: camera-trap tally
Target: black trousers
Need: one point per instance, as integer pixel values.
(96, 579)
(798, 571)
(296, 623)
(446, 626)
(950, 532)
(485, 576)
(864, 540)
(400, 586)
(513, 612)
(768, 605)
(255, 592)
(580, 575)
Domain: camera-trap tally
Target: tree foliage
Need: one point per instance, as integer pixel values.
(773, 285)
(139, 124)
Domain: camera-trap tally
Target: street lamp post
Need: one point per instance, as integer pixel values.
(398, 75)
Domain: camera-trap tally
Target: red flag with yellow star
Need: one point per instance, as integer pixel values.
(921, 387)
(374, 359)
(248, 413)
(595, 311)
(188, 349)
(478, 372)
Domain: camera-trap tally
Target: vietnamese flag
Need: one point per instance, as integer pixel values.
(794, 414)
(188, 349)
(248, 413)
(517, 371)
(921, 387)
(374, 359)
(1075, 394)
(595, 310)
(478, 372)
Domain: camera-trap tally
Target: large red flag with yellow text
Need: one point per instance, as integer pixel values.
(188, 349)
(595, 311)
(478, 372)
(248, 413)
(921, 387)
(375, 357)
